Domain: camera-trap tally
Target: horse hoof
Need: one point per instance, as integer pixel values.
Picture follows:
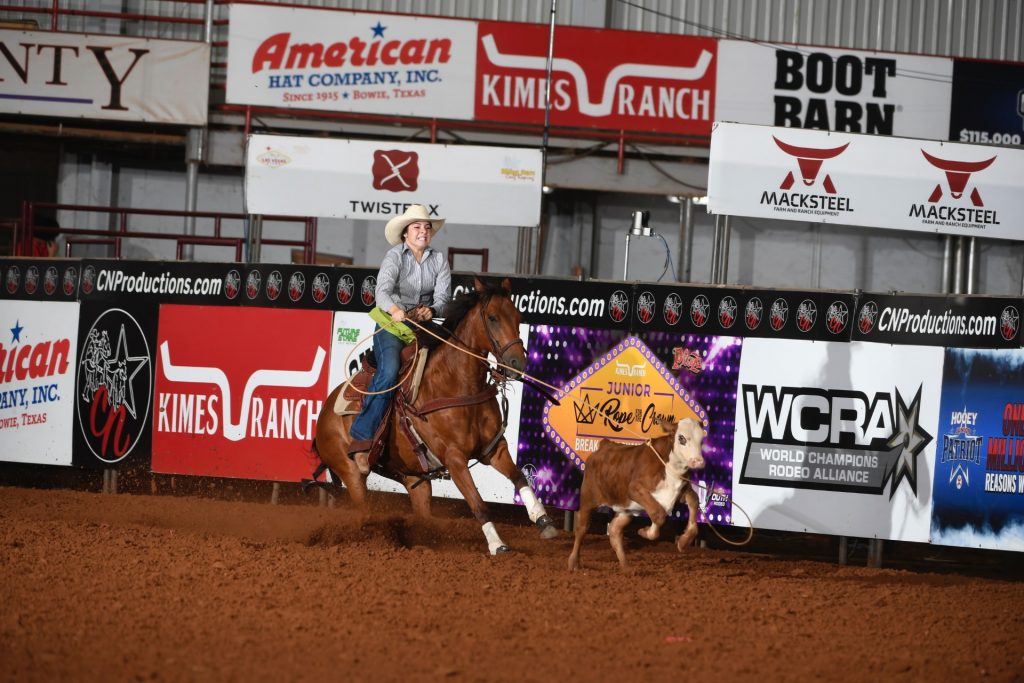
(547, 527)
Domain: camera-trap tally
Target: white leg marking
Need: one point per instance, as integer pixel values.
(534, 507)
(493, 539)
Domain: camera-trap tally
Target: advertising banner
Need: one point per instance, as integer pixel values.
(114, 383)
(40, 279)
(854, 91)
(351, 61)
(966, 321)
(837, 438)
(867, 180)
(978, 496)
(160, 281)
(615, 385)
(242, 405)
(550, 301)
(743, 312)
(38, 343)
(988, 102)
(76, 75)
(620, 80)
(469, 185)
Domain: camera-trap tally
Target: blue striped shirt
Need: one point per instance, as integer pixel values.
(406, 282)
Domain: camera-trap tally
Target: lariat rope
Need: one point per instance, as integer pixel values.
(514, 371)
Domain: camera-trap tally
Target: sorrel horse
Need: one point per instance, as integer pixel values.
(454, 412)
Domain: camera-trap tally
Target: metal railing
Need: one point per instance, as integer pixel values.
(119, 231)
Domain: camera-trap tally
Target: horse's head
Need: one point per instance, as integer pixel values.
(499, 321)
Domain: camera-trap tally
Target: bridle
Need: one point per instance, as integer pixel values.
(498, 351)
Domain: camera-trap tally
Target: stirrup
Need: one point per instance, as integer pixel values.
(430, 475)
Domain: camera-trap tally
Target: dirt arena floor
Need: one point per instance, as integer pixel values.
(172, 587)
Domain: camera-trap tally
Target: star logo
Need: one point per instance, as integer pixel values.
(378, 30)
(909, 439)
(16, 331)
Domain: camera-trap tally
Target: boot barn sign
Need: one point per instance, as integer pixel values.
(296, 176)
(869, 180)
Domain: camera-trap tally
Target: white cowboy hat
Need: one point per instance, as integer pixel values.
(415, 212)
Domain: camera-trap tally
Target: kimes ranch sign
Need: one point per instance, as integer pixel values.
(600, 78)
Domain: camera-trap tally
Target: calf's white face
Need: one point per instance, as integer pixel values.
(686, 450)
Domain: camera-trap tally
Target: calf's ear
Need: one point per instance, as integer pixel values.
(670, 425)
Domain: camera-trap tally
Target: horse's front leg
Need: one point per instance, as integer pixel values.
(459, 470)
(502, 461)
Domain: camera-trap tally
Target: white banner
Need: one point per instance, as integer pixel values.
(355, 331)
(869, 180)
(468, 185)
(351, 61)
(837, 438)
(75, 75)
(853, 91)
(38, 345)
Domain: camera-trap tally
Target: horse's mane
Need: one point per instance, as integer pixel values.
(457, 310)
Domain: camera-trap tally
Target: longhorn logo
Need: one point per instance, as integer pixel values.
(809, 160)
(957, 175)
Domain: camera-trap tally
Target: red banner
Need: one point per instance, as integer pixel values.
(238, 390)
(600, 78)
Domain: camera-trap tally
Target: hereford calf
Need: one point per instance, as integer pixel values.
(629, 478)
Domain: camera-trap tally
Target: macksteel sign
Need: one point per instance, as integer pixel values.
(73, 75)
(869, 180)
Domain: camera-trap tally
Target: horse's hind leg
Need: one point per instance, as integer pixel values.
(502, 461)
(331, 442)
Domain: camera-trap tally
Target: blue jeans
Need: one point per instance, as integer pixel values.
(387, 349)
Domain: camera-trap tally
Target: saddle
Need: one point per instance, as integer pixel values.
(350, 399)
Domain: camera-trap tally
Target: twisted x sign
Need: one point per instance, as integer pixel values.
(395, 170)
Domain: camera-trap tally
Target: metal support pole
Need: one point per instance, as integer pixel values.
(958, 266)
(875, 553)
(208, 22)
(715, 248)
(275, 492)
(625, 263)
(844, 548)
(726, 237)
(570, 521)
(255, 237)
(947, 263)
(972, 265)
(195, 150)
(685, 237)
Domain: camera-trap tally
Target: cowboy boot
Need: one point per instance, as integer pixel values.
(359, 450)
